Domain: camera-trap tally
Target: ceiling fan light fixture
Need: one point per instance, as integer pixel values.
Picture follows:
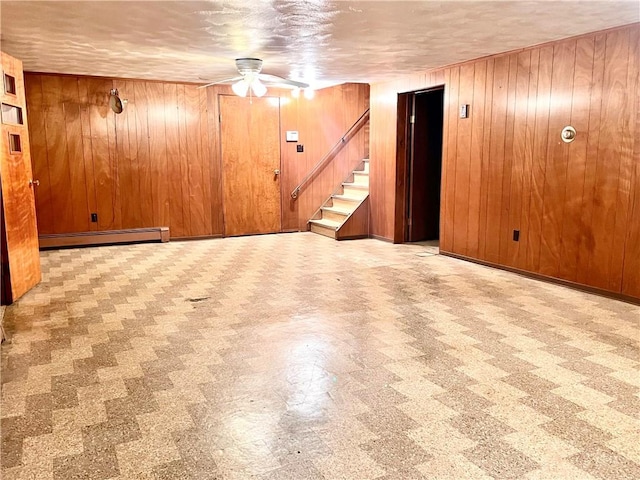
(258, 88)
(241, 88)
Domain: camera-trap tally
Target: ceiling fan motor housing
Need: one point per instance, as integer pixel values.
(248, 65)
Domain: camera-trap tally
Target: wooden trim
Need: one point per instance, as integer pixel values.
(353, 237)
(381, 238)
(108, 237)
(548, 279)
(198, 237)
(402, 148)
(101, 77)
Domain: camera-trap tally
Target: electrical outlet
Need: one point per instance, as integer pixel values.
(516, 235)
(94, 218)
(299, 148)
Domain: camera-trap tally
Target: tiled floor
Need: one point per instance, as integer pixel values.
(298, 357)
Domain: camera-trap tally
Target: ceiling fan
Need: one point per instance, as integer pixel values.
(251, 78)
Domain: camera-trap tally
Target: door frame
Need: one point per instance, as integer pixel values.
(221, 160)
(404, 147)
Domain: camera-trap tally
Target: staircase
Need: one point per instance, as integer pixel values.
(345, 215)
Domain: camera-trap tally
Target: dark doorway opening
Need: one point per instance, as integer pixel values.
(424, 164)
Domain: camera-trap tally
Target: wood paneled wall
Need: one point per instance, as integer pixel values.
(149, 166)
(505, 168)
(158, 163)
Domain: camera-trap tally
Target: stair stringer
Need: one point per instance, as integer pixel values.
(357, 223)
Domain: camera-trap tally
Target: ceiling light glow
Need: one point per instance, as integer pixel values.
(240, 88)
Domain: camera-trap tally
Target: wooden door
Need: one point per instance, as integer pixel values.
(20, 234)
(250, 138)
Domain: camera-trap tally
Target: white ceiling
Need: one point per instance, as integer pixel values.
(319, 41)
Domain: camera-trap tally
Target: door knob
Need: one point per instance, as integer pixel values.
(34, 182)
(276, 172)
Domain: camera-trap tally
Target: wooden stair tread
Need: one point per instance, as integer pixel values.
(359, 186)
(347, 198)
(326, 223)
(336, 210)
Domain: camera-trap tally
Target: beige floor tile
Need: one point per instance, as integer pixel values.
(296, 357)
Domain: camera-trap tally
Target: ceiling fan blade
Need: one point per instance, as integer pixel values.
(228, 80)
(276, 80)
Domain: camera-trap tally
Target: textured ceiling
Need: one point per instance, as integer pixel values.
(322, 42)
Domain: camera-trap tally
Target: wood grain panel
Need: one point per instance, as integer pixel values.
(143, 154)
(587, 241)
(39, 155)
(557, 157)
(213, 223)
(87, 148)
(462, 162)
(505, 232)
(123, 161)
(528, 162)
(158, 156)
(540, 134)
(126, 150)
(382, 156)
(173, 172)
(612, 118)
(486, 155)
(518, 191)
(77, 178)
(59, 172)
(103, 166)
(476, 157)
(449, 152)
(183, 160)
(631, 273)
(621, 90)
(113, 177)
(577, 160)
(496, 164)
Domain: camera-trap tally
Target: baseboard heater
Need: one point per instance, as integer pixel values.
(107, 237)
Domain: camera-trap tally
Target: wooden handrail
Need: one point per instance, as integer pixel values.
(356, 126)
